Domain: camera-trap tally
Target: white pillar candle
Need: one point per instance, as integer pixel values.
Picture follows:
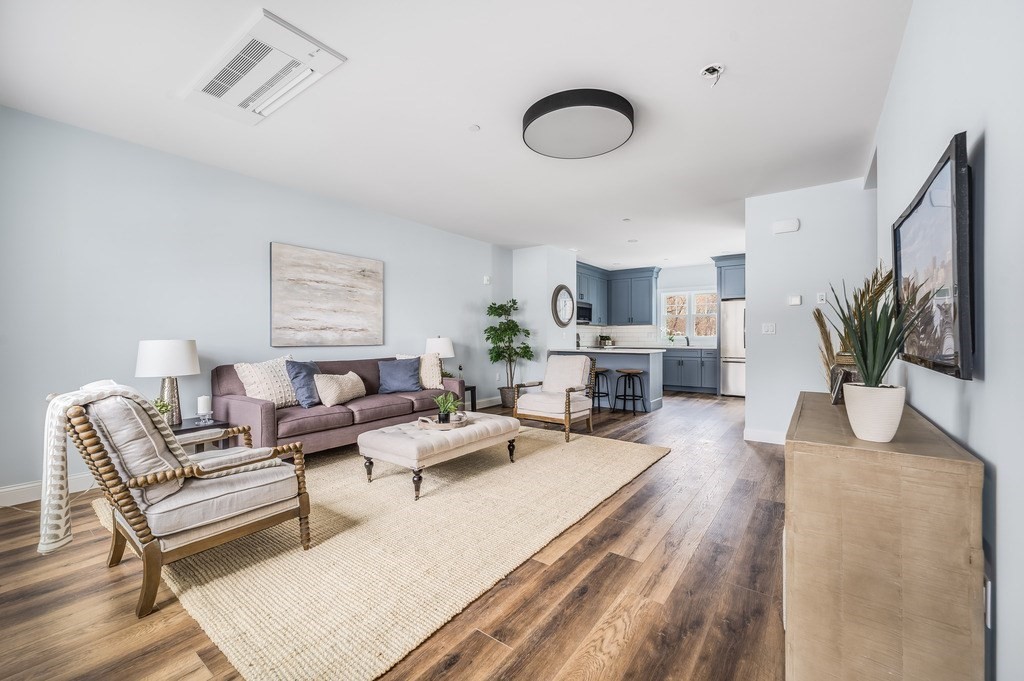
(204, 405)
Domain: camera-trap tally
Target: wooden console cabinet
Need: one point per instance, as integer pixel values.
(884, 569)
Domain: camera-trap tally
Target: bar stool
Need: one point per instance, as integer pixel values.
(633, 379)
(600, 374)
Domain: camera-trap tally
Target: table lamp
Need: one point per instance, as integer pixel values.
(168, 359)
(442, 346)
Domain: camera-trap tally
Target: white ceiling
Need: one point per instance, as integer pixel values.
(797, 105)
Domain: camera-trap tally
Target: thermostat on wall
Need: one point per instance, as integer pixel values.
(784, 226)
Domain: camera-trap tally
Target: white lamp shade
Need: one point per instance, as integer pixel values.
(442, 346)
(161, 358)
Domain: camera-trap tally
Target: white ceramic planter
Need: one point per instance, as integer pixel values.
(874, 413)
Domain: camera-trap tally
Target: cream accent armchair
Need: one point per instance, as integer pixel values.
(166, 508)
(565, 393)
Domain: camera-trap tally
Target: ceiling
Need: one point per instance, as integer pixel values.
(390, 129)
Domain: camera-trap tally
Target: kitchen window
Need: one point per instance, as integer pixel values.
(690, 313)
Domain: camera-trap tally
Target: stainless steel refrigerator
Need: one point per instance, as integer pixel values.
(733, 352)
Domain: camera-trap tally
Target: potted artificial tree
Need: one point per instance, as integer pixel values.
(875, 328)
(504, 337)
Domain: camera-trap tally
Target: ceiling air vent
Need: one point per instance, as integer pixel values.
(269, 66)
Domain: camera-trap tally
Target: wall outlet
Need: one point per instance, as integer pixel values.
(768, 329)
(821, 299)
(497, 377)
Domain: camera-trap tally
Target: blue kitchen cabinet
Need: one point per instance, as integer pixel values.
(631, 296)
(620, 298)
(641, 301)
(709, 369)
(732, 276)
(691, 369)
(619, 302)
(599, 291)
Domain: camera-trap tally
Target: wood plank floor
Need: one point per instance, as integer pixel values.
(676, 576)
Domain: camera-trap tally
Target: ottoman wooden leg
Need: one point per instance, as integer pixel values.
(368, 465)
(417, 478)
(512, 450)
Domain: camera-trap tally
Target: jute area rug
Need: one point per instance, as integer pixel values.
(385, 571)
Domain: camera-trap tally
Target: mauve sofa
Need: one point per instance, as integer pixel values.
(319, 428)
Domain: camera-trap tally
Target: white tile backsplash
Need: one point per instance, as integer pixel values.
(635, 337)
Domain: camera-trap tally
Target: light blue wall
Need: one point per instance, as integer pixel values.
(104, 243)
(536, 272)
(835, 243)
(960, 69)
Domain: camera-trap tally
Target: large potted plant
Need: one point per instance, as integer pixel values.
(874, 327)
(506, 346)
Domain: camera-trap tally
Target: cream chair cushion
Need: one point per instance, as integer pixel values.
(179, 539)
(205, 501)
(552, 404)
(566, 371)
(135, 445)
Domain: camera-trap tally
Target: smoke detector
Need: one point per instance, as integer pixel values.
(713, 72)
(268, 67)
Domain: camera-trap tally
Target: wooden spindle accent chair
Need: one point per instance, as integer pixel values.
(565, 393)
(166, 511)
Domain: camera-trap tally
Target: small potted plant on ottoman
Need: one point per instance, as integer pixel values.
(447, 404)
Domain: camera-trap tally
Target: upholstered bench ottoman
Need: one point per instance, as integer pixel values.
(406, 444)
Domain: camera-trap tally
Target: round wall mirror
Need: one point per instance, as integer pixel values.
(563, 305)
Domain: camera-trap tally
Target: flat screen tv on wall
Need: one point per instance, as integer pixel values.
(932, 245)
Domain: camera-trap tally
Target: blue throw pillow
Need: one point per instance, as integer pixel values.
(301, 375)
(399, 376)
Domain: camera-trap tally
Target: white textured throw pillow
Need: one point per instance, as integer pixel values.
(268, 381)
(430, 370)
(338, 388)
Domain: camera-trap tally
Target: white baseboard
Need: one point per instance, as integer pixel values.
(487, 402)
(25, 492)
(773, 437)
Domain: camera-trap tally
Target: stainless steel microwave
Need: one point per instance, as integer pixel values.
(584, 312)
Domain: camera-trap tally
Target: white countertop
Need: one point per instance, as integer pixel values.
(616, 351)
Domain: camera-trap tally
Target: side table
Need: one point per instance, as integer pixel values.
(471, 390)
(191, 433)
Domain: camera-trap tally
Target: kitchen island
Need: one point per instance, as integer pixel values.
(647, 359)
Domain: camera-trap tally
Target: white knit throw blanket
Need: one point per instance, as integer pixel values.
(54, 517)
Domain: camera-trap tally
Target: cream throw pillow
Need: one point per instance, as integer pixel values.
(430, 370)
(268, 381)
(338, 388)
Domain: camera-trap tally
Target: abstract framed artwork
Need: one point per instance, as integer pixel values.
(323, 298)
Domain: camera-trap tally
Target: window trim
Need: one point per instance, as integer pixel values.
(691, 313)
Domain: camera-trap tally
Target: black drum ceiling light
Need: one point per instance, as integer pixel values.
(578, 123)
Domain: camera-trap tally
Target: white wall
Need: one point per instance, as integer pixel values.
(960, 68)
(536, 272)
(687, 278)
(104, 243)
(836, 242)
